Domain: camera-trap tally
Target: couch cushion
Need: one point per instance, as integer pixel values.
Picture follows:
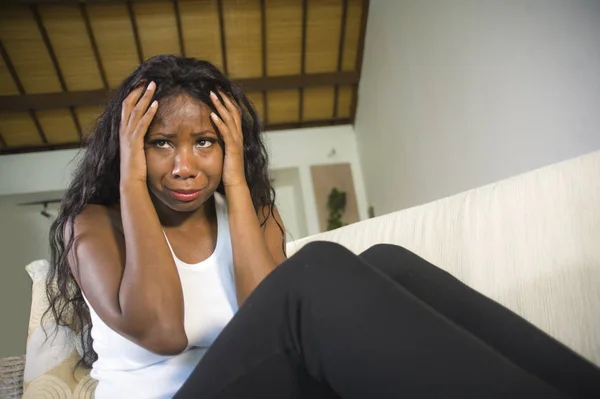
(531, 242)
(49, 364)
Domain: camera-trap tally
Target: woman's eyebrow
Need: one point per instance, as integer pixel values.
(172, 135)
(203, 133)
(163, 134)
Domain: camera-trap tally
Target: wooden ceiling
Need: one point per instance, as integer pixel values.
(299, 60)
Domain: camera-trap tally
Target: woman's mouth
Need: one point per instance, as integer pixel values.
(185, 195)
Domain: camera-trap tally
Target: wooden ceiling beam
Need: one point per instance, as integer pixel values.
(11, 69)
(38, 126)
(307, 124)
(303, 58)
(222, 33)
(179, 28)
(359, 55)
(263, 33)
(25, 102)
(49, 48)
(340, 54)
(15, 77)
(39, 147)
(70, 2)
(134, 28)
(92, 38)
(57, 70)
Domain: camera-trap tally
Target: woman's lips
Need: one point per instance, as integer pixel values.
(185, 195)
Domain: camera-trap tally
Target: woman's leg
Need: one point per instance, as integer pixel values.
(325, 321)
(504, 331)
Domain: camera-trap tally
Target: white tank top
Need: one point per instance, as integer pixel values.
(126, 370)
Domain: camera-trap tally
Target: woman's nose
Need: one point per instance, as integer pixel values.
(184, 167)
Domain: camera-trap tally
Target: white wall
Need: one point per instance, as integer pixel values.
(302, 148)
(23, 239)
(456, 94)
(34, 177)
(290, 201)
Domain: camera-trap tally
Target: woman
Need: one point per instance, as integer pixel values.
(169, 225)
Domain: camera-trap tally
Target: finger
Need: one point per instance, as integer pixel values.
(142, 105)
(128, 104)
(142, 127)
(223, 129)
(233, 108)
(224, 113)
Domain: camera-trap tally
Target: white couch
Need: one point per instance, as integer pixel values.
(531, 242)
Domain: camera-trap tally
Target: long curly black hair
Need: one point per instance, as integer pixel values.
(96, 179)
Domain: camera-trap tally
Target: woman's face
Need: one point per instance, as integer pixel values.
(183, 154)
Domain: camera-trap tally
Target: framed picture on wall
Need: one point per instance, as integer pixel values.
(334, 195)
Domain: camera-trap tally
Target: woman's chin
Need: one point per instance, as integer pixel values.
(179, 205)
(166, 200)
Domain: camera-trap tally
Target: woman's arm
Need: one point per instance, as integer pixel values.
(256, 250)
(150, 294)
(132, 295)
(130, 277)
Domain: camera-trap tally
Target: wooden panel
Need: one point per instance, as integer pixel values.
(344, 103)
(282, 106)
(58, 125)
(114, 38)
(256, 98)
(351, 38)
(284, 37)
(243, 38)
(19, 129)
(325, 179)
(323, 35)
(7, 84)
(87, 118)
(27, 52)
(157, 28)
(71, 44)
(200, 25)
(317, 103)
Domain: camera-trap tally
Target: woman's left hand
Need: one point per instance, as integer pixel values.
(230, 127)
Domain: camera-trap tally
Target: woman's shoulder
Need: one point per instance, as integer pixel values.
(99, 217)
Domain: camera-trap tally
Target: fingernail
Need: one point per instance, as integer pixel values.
(154, 104)
(151, 86)
(213, 95)
(214, 116)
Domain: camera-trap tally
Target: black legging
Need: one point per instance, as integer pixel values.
(384, 324)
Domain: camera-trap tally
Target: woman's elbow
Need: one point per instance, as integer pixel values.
(167, 342)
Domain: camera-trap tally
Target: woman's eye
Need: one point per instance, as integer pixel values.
(204, 143)
(161, 143)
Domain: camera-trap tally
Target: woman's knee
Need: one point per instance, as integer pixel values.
(387, 250)
(322, 257)
(389, 257)
(398, 262)
(322, 249)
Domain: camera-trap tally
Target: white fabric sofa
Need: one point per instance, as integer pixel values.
(531, 242)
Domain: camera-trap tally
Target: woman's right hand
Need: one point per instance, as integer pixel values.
(136, 117)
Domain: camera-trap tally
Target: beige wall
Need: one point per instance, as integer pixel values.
(456, 94)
